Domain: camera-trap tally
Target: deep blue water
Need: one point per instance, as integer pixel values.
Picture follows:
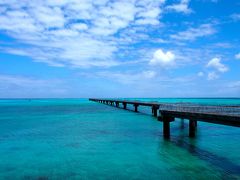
(78, 139)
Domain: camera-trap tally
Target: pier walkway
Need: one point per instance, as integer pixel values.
(167, 112)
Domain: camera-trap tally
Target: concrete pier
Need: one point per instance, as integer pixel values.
(167, 112)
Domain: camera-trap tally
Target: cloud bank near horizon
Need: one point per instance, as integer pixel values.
(129, 42)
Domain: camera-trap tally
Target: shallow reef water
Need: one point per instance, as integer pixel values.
(79, 139)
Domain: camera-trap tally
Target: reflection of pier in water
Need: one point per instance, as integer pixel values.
(167, 112)
(228, 168)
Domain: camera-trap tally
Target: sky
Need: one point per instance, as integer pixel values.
(119, 48)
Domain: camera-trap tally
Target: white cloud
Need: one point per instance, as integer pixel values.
(182, 7)
(20, 80)
(147, 21)
(18, 21)
(48, 17)
(79, 26)
(194, 33)
(223, 45)
(146, 79)
(128, 77)
(234, 85)
(235, 17)
(216, 64)
(200, 74)
(149, 74)
(212, 76)
(143, 83)
(237, 56)
(22, 86)
(162, 58)
(149, 13)
(75, 33)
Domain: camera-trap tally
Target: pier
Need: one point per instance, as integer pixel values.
(167, 112)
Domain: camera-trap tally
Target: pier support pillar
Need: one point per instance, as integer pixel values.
(154, 111)
(166, 129)
(182, 123)
(117, 104)
(136, 107)
(124, 105)
(192, 128)
(166, 126)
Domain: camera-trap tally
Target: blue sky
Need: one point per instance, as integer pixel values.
(124, 48)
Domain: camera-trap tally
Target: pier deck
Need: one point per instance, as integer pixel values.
(167, 112)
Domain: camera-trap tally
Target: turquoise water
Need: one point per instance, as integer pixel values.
(78, 139)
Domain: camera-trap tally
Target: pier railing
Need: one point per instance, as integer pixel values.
(214, 109)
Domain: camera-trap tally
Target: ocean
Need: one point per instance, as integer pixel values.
(79, 139)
